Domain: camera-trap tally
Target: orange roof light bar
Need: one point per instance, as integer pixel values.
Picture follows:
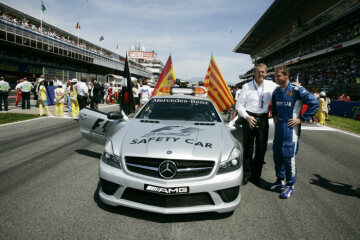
(166, 89)
(199, 90)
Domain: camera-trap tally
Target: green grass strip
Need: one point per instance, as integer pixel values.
(347, 124)
(15, 117)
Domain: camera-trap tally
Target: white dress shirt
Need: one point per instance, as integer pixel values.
(82, 89)
(249, 99)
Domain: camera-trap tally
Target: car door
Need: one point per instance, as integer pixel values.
(97, 126)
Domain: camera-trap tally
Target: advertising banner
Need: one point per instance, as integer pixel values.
(347, 109)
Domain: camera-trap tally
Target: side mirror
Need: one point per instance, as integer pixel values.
(115, 115)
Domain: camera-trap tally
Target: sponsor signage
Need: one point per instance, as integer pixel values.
(140, 54)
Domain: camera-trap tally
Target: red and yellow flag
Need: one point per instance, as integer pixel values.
(167, 78)
(217, 88)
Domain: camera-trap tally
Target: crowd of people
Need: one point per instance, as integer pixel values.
(342, 69)
(333, 37)
(74, 95)
(34, 26)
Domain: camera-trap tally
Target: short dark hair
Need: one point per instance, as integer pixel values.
(283, 69)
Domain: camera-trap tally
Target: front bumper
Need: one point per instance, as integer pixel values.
(218, 193)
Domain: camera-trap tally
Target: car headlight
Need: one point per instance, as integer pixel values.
(109, 157)
(232, 163)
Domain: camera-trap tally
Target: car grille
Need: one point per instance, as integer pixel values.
(185, 168)
(161, 200)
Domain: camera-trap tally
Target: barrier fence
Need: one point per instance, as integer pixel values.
(347, 109)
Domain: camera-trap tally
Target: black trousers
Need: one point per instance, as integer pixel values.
(25, 98)
(258, 138)
(81, 101)
(4, 98)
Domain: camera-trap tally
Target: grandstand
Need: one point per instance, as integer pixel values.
(318, 40)
(28, 51)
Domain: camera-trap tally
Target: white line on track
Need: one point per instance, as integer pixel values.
(326, 128)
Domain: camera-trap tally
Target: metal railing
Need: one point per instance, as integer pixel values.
(26, 37)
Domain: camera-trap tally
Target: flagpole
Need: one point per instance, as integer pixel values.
(78, 35)
(41, 21)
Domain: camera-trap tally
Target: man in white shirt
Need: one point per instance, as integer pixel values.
(25, 88)
(145, 92)
(253, 106)
(82, 93)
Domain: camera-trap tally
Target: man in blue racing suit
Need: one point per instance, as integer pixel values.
(287, 101)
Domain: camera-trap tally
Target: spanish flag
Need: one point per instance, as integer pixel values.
(218, 91)
(167, 78)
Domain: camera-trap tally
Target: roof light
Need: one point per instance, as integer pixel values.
(166, 89)
(177, 90)
(188, 91)
(199, 90)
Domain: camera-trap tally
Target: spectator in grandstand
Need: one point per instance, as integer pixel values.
(72, 93)
(42, 98)
(4, 93)
(82, 93)
(59, 99)
(25, 88)
(287, 120)
(95, 94)
(253, 106)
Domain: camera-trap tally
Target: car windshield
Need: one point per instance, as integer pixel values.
(179, 109)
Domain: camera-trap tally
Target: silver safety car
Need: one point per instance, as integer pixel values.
(174, 156)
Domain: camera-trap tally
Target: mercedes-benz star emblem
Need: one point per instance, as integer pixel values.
(167, 169)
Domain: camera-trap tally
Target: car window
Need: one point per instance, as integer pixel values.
(179, 109)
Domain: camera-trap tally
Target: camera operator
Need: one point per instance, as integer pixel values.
(253, 106)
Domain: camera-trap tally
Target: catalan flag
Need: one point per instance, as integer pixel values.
(43, 8)
(167, 78)
(77, 25)
(218, 90)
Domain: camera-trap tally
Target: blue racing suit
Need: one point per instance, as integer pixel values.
(286, 104)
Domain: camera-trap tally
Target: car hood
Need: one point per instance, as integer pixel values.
(175, 140)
